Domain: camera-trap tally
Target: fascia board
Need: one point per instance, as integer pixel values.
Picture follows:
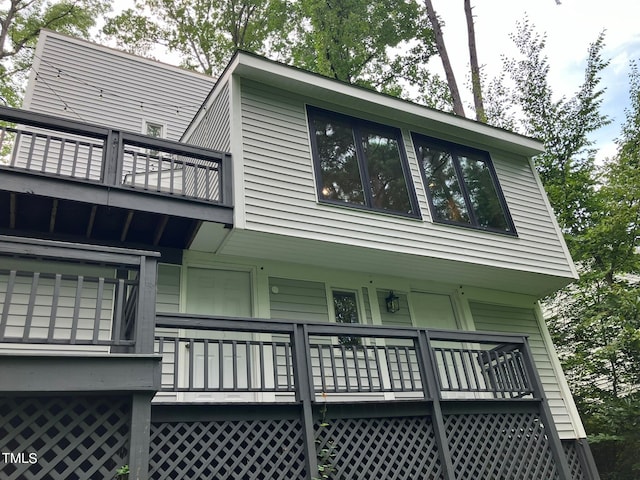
(317, 86)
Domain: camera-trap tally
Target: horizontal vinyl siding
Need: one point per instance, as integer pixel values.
(498, 318)
(168, 289)
(280, 198)
(80, 81)
(213, 130)
(298, 300)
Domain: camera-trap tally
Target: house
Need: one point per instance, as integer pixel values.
(310, 275)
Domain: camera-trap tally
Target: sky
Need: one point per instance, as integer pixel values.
(570, 28)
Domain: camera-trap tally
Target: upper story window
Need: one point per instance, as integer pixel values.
(462, 185)
(360, 163)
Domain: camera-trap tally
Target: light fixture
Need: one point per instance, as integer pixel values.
(393, 302)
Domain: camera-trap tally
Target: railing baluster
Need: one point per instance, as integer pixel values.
(32, 301)
(147, 170)
(54, 307)
(74, 166)
(32, 145)
(191, 347)
(76, 310)
(98, 314)
(356, 365)
(263, 364)
(323, 380)
(205, 367)
(16, 143)
(379, 368)
(400, 369)
(288, 362)
(248, 362)
(410, 369)
(274, 354)
(119, 313)
(220, 364)
(45, 154)
(89, 160)
(368, 369)
(334, 368)
(63, 144)
(176, 366)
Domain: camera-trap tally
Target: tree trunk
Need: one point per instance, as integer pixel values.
(442, 51)
(476, 84)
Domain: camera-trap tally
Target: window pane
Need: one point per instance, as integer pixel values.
(442, 181)
(345, 305)
(388, 186)
(482, 193)
(338, 161)
(154, 130)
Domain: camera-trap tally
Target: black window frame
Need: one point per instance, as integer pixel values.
(457, 150)
(357, 125)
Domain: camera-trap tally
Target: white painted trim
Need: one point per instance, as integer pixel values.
(560, 376)
(35, 68)
(317, 86)
(237, 151)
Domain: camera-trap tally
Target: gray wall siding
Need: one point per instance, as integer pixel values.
(498, 318)
(213, 130)
(280, 197)
(168, 289)
(298, 300)
(81, 81)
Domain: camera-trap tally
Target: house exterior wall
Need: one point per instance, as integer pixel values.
(293, 292)
(79, 80)
(516, 319)
(213, 131)
(280, 196)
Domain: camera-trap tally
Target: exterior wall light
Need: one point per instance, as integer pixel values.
(393, 302)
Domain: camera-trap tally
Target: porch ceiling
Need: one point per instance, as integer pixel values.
(380, 262)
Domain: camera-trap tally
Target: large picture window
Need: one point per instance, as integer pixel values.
(359, 163)
(462, 185)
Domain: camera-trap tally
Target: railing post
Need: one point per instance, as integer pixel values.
(304, 389)
(140, 436)
(146, 308)
(112, 159)
(555, 444)
(226, 180)
(431, 388)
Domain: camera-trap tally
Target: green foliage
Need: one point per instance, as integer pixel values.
(203, 33)
(20, 24)
(352, 41)
(567, 167)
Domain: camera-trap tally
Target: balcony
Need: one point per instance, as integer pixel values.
(75, 317)
(63, 179)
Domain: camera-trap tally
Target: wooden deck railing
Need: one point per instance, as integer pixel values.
(69, 294)
(53, 146)
(249, 355)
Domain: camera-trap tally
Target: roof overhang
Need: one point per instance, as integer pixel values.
(311, 85)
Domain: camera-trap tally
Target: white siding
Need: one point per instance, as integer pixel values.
(213, 130)
(82, 81)
(498, 318)
(298, 300)
(280, 197)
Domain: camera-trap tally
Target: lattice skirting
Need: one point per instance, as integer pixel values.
(402, 448)
(74, 438)
(509, 446)
(225, 450)
(573, 458)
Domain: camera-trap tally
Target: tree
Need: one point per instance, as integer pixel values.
(357, 41)
(567, 167)
(204, 33)
(20, 24)
(456, 99)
